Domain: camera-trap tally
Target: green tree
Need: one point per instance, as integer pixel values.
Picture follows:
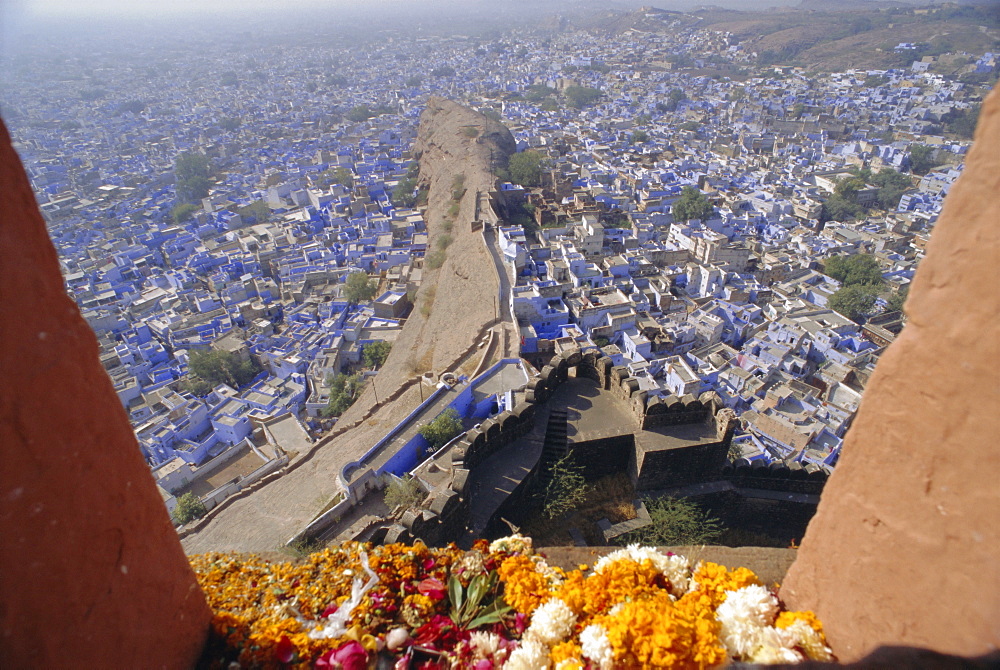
(405, 492)
(526, 168)
(674, 98)
(581, 96)
(848, 187)
(674, 521)
(191, 170)
(964, 123)
(922, 158)
(537, 92)
(566, 488)
(376, 353)
(839, 208)
(219, 367)
(640, 137)
(896, 301)
(359, 287)
(855, 301)
(256, 210)
(692, 205)
(230, 123)
(854, 269)
(891, 187)
(189, 507)
(344, 390)
(183, 212)
(360, 113)
(403, 195)
(338, 175)
(443, 71)
(442, 429)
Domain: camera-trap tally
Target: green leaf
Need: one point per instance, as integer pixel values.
(488, 618)
(496, 613)
(477, 589)
(455, 592)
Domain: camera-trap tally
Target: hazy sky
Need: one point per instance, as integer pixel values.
(179, 7)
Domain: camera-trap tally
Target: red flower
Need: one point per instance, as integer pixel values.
(330, 609)
(285, 651)
(432, 588)
(349, 656)
(439, 633)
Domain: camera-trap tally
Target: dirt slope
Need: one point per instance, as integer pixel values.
(459, 309)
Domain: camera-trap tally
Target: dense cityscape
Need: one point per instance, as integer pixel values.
(247, 240)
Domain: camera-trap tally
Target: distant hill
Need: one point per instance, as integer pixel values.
(856, 33)
(818, 34)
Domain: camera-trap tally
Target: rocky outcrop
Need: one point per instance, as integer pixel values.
(903, 548)
(456, 303)
(455, 308)
(92, 572)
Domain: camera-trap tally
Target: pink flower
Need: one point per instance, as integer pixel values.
(349, 656)
(432, 588)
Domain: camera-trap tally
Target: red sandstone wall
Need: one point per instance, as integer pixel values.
(91, 571)
(905, 546)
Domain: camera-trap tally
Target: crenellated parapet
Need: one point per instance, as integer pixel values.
(441, 518)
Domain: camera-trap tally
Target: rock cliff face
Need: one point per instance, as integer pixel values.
(92, 573)
(903, 548)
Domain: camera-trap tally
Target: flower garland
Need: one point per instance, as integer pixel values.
(495, 606)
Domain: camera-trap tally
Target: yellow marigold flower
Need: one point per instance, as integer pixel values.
(567, 655)
(713, 580)
(655, 633)
(786, 619)
(524, 587)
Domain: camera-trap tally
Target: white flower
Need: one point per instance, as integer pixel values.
(551, 622)
(774, 646)
(806, 638)
(485, 644)
(597, 647)
(742, 616)
(676, 568)
(396, 638)
(514, 544)
(530, 655)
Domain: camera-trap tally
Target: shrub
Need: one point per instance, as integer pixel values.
(435, 259)
(566, 489)
(675, 521)
(405, 492)
(189, 507)
(442, 429)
